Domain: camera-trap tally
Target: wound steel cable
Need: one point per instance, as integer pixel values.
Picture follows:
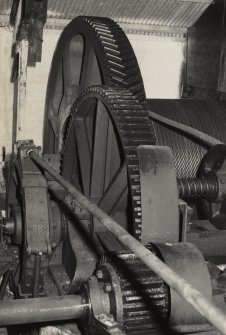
(199, 135)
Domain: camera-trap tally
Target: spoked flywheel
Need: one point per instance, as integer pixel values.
(90, 51)
(100, 153)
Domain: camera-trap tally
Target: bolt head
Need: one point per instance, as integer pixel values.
(99, 274)
(107, 287)
(53, 245)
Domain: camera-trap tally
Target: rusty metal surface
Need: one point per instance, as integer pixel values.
(209, 239)
(174, 13)
(158, 192)
(20, 91)
(25, 311)
(213, 164)
(194, 297)
(186, 260)
(34, 231)
(206, 51)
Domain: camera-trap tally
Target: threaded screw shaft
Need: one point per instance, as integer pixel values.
(191, 188)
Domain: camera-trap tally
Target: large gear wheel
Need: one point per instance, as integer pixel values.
(90, 51)
(100, 154)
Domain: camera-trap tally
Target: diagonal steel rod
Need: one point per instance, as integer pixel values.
(195, 298)
(199, 135)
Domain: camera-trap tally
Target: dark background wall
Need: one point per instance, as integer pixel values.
(205, 74)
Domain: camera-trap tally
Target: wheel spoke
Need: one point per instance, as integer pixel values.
(67, 96)
(114, 153)
(99, 152)
(71, 72)
(15, 180)
(53, 120)
(72, 65)
(115, 190)
(53, 129)
(58, 91)
(90, 74)
(122, 204)
(4, 283)
(84, 155)
(107, 177)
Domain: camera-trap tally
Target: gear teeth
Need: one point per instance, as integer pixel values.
(124, 106)
(122, 71)
(118, 63)
(141, 288)
(118, 54)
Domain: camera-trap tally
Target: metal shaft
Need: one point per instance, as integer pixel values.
(189, 188)
(24, 311)
(204, 306)
(199, 135)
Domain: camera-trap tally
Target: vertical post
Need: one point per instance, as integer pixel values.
(20, 114)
